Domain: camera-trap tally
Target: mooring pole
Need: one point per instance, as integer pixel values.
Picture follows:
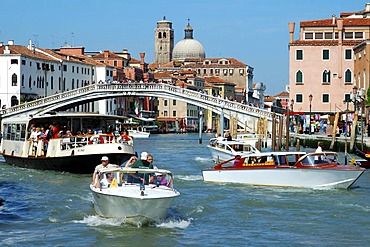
(200, 126)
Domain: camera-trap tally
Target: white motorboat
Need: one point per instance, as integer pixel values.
(138, 134)
(77, 154)
(224, 150)
(287, 169)
(127, 196)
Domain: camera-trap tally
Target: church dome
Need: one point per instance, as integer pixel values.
(188, 47)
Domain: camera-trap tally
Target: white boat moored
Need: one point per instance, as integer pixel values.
(138, 134)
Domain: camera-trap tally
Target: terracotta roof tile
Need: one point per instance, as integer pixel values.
(347, 22)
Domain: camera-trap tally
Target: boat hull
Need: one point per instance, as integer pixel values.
(80, 164)
(126, 201)
(287, 177)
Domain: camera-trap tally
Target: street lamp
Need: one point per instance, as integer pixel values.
(310, 99)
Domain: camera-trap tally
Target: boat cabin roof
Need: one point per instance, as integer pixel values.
(135, 170)
(274, 154)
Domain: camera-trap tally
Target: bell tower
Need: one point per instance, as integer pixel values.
(164, 41)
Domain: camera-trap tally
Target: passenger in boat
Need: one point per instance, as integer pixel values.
(236, 161)
(104, 164)
(228, 137)
(143, 162)
(319, 147)
(125, 137)
(130, 162)
(158, 179)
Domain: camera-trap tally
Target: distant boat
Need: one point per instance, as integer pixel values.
(138, 134)
(224, 149)
(75, 154)
(126, 196)
(286, 169)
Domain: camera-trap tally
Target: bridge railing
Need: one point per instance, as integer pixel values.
(119, 88)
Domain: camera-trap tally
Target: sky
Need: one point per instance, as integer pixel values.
(254, 32)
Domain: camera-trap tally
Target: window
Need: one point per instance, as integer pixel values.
(328, 35)
(164, 35)
(30, 82)
(319, 35)
(347, 97)
(52, 67)
(325, 98)
(159, 35)
(299, 77)
(107, 72)
(231, 71)
(165, 114)
(326, 76)
(225, 71)
(77, 68)
(23, 62)
(359, 35)
(308, 36)
(298, 98)
(51, 82)
(38, 65)
(241, 71)
(217, 71)
(14, 61)
(64, 67)
(299, 55)
(348, 76)
(173, 113)
(165, 102)
(14, 79)
(174, 102)
(325, 54)
(348, 54)
(348, 35)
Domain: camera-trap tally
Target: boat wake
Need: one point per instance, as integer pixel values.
(189, 177)
(204, 160)
(95, 220)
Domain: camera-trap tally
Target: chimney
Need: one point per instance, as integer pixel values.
(291, 26)
(333, 19)
(367, 6)
(6, 50)
(1, 43)
(340, 31)
(142, 56)
(106, 53)
(10, 42)
(29, 45)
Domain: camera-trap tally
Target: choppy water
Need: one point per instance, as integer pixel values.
(46, 208)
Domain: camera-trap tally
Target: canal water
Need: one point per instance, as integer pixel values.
(47, 208)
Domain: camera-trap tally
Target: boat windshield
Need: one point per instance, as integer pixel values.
(320, 158)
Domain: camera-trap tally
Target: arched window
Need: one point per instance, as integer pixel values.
(159, 35)
(164, 34)
(73, 84)
(348, 76)
(326, 76)
(14, 101)
(30, 82)
(52, 82)
(22, 80)
(60, 83)
(77, 83)
(43, 81)
(299, 77)
(14, 79)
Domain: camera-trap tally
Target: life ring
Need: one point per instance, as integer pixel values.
(139, 128)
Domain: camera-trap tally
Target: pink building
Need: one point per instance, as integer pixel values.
(321, 61)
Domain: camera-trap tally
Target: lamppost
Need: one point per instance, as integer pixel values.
(291, 108)
(346, 133)
(358, 95)
(310, 99)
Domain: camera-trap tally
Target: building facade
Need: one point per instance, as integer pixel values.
(321, 61)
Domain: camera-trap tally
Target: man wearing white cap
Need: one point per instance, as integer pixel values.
(104, 164)
(143, 162)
